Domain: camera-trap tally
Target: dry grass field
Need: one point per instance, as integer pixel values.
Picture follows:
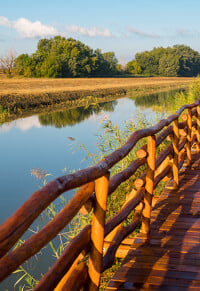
(17, 86)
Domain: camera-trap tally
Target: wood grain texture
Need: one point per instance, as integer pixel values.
(98, 231)
(175, 153)
(169, 258)
(151, 161)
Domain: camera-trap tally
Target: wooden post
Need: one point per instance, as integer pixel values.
(65, 278)
(176, 152)
(189, 134)
(198, 128)
(97, 232)
(146, 214)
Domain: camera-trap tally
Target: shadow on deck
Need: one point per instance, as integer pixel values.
(170, 258)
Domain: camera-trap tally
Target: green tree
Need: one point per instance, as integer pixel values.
(51, 68)
(44, 48)
(189, 61)
(61, 57)
(110, 62)
(21, 63)
(169, 65)
(133, 68)
(25, 65)
(179, 60)
(98, 63)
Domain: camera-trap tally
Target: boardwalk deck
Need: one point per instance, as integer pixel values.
(170, 258)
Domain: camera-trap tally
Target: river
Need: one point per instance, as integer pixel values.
(46, 142)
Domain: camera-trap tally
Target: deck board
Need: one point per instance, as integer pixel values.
(170, 258)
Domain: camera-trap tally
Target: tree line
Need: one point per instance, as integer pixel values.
(176, 61)
(59, 57)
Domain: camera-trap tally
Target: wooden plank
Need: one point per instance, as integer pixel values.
(152, 283)
(169, 259)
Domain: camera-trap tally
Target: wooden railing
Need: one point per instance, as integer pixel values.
(71, 271)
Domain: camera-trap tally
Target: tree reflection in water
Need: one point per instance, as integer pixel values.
(73, 116)
(163, 101)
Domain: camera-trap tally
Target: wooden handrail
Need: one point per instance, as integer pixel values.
(175, 153)
(51, 229)
(63, 264)
(94, 189)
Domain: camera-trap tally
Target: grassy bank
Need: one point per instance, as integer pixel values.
(23, 97)
(33, 86)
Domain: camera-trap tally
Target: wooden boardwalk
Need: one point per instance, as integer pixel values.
(170, 258)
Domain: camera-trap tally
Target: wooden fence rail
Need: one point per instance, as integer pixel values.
(71, 270)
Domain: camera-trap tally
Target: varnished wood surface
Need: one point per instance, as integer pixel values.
(170, 258)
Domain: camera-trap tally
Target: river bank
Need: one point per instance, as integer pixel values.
(22, 97)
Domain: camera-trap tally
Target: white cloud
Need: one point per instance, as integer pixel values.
(28, 29)
(141, 33)
(23, 124)
(5, 21)
(92, 32)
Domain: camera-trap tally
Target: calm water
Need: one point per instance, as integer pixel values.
(42, 141)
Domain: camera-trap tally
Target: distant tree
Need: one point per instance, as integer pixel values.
(44, 48)
(25, 65)
(110, 62)
(7, 61)
(169, 65)
(133, 68)
(50, 68)
(179, 60)
(120, 69)
(61, 57)
(189, 61)
(149, 61)
(98, 63)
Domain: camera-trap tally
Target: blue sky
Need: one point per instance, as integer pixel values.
(123, 26)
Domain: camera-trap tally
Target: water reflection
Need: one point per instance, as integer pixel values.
(73, 116)
(167, 101)
(163, 101)
(24, 124)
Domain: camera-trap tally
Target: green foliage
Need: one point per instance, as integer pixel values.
(24, 65)
(133, 68)
(169, 65)
(149, 61)
(4, 113)
(60, 57)
(179, 60)
(169, 101)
